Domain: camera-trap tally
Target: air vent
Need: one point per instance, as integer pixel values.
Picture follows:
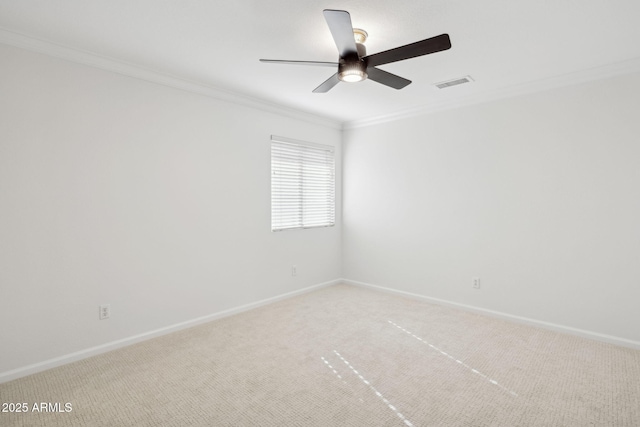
(454, 82)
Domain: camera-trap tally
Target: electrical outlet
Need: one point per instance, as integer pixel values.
(294, 270)
(105, 311)
(476, 283)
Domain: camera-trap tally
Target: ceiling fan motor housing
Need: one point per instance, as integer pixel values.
(352, 71)
(352, 68)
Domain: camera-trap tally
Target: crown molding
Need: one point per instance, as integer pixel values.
(91, 59)
(575, 78)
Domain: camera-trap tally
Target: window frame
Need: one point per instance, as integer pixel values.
(301, 206)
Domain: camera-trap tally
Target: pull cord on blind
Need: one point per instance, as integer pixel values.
(302, 185)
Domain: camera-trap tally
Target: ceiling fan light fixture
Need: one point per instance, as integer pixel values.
(352, 76)
(352, 73)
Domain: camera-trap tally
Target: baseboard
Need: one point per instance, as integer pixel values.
(624, 342)
(114, 345)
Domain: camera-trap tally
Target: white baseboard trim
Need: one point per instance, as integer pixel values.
(624, 342)
(114, 345)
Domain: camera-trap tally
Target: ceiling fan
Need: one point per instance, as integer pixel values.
(355, 65)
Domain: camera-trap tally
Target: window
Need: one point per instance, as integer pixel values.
(302, 184)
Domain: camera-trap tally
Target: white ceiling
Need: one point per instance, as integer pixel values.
(502, 44)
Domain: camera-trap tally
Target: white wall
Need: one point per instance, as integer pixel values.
(156, 201)
(537, 195)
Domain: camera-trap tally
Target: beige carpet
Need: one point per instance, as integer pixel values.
(344, 356)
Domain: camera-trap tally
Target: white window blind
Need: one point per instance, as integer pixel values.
(302, 184)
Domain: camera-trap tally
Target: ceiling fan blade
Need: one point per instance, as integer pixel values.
(386, 78)
(316, 63)
(339, 22)
(328, 84)
(424, 47)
